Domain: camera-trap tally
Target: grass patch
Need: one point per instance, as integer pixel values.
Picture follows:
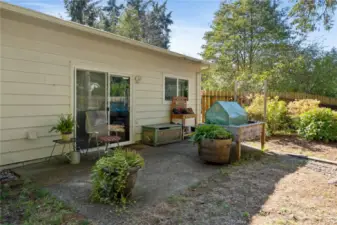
(175, 199)
(31, 205)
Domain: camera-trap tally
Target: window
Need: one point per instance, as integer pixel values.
(175, 87)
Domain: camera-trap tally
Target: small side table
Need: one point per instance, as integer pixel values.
(70, 143)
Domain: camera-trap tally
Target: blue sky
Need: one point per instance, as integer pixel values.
(192, 18)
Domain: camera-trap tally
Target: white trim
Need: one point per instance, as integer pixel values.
(97, 32)
(178, 78)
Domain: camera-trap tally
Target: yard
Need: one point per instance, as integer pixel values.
(175, 187)
(296, 145)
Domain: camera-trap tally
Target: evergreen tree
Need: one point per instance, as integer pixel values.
(83, 11)
(156, 29)
(113, 12)
(129, 24)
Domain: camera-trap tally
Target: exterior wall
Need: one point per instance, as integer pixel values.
(37, 63)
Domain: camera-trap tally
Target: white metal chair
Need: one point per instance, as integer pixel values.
(96, 126)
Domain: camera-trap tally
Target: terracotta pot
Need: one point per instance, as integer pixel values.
(131, 180)
(215, 151)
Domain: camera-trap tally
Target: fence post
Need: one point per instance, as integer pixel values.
(265, 101)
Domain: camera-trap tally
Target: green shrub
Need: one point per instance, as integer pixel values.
(297, 107)
(277, 114)
(318, 124)
(255, 109)
(110, 173)
(210, 131)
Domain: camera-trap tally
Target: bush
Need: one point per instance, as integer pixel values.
(318, 124)
(297, 107)
(210, 131)
(255, 109)
(110, 173)
(277, 114)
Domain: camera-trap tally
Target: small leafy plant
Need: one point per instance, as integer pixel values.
(110, 176)
(65, 125)
(318, 124)
(210, 131)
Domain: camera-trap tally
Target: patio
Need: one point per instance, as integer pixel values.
(168, 170)
(175, 187)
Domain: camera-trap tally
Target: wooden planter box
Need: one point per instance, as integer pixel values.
(215, 151)
(161, 134)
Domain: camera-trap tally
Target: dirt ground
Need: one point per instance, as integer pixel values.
(273, 190)
(296, 145)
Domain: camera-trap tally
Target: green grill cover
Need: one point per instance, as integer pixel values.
(226, 113)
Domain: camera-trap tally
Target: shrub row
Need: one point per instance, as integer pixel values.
(303, 116)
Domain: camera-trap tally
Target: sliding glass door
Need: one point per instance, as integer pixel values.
(101, 99)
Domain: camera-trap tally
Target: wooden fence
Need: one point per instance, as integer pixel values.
(209, 97)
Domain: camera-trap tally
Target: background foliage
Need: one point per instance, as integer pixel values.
(252, 41)
(142, 20)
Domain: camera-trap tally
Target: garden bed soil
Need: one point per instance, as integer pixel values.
(296, 145)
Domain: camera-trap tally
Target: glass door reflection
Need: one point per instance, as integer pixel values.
(119, 106)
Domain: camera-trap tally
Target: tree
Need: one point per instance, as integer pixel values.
(307, 14)
(113, 12)
(249, 34)
(307, 69)
(129, 24)
(83, 11)
(156, 28)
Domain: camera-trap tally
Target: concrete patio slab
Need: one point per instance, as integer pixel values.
(168, 169)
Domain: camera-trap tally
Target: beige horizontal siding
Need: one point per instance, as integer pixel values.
(25, 144)
(36, 89)
(34, 67)
(36, 110)
(150, 94)
(33, 78)
(34, 99)
(27, 155)
(29, 55)
(27, 121)
(21, 133)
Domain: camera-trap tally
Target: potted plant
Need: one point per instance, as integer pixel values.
(114, 176)
(65, 126)
(214, 143)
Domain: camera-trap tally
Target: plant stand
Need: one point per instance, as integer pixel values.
(71, 147)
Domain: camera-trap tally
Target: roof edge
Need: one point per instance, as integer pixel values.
(91, 30)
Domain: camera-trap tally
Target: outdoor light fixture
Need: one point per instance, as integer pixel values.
(138, 79)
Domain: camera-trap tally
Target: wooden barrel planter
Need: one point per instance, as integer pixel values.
(215, 150)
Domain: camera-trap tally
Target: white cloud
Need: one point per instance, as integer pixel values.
(187, 39)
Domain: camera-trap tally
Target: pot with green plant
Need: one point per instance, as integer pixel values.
(65, 126)
(214, 143)
(114, 176)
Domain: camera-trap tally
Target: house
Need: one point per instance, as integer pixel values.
(50, 67)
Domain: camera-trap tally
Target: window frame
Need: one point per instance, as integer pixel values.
(178, 78)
